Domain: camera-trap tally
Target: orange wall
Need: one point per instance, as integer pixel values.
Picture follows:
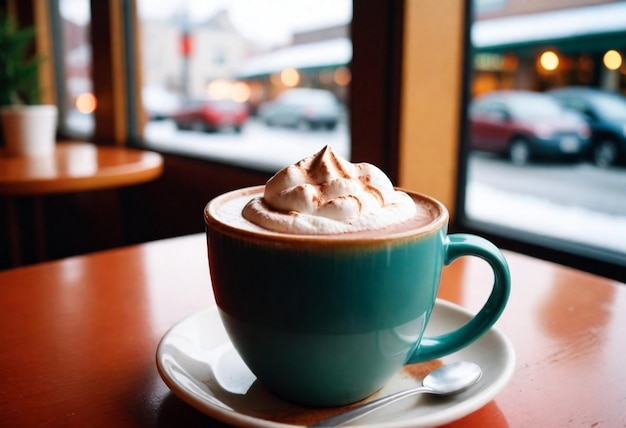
(431, 97)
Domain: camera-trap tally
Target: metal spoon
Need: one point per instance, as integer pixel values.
(450, 379)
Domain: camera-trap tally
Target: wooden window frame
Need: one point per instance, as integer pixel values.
(390, 96)
(409, 93)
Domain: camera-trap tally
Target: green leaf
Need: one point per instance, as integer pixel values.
(19, 79)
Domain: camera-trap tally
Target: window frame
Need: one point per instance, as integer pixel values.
(386, 54)
(579, 256)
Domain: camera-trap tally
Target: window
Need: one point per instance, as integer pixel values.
(402, 108)
(252, 54)
(549, 173)
(76, 100)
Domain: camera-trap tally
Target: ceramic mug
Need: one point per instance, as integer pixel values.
(327, 320)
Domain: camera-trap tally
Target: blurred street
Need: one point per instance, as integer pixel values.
(571, 184)
(257, 146)
(570, 200)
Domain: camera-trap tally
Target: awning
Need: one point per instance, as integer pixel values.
(575, 25)
(334, 52)
(558, 25)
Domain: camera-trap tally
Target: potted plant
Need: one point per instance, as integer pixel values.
(29, 127)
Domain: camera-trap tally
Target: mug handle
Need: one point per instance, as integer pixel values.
(455, 246)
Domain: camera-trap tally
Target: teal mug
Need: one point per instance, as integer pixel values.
(325, 320)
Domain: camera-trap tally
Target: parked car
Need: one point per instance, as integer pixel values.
(211, 115)
(303, 108)
(158, 102)
(525, 125)
(605, 112)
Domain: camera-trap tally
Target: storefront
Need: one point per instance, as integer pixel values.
(576, 46)
(323, 64)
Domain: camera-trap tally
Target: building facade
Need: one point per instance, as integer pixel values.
(538, 45)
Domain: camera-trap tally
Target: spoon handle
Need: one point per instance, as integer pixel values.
(364, 409)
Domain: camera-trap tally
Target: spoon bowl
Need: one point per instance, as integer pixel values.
(452, 378)
(449, 379)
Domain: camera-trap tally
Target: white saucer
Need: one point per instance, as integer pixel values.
(199, 364)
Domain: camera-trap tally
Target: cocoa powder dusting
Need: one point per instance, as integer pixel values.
(420, 370)
(365, 182)
(338, 167)
(300, 415)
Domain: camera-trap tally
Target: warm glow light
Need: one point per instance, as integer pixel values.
(290, 77)
(240, 92)
(325, 77)
(549, 60)
(342, 76)
(219, 89)
(86, 103)
(275, 79)
(612, 60)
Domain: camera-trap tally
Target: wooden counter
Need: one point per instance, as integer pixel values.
(78, 339)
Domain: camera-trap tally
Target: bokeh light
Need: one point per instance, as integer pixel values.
(290, 77)
(342, 76)
(86, 103)
(240, 92)
(549, 61)
(219, 89)
(612, 60)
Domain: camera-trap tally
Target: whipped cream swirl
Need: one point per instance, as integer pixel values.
(325, 194)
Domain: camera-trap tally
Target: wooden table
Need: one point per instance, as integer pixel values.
(74, 167)
(78, 339)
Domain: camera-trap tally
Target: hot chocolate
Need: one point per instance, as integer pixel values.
(326, 195)
(326, 308)
(428, 214)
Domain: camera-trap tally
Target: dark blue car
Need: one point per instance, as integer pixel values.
(605, 112)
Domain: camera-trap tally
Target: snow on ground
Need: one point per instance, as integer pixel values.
(541, 216)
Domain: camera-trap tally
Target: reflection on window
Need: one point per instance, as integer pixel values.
(558, 177)
(198, 54)
(79, 102)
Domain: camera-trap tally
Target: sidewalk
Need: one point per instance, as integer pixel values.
(541, 216)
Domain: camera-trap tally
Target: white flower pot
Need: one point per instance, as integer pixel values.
(29, 130)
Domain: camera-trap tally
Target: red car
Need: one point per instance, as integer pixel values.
(208, 115)
(524, 125)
